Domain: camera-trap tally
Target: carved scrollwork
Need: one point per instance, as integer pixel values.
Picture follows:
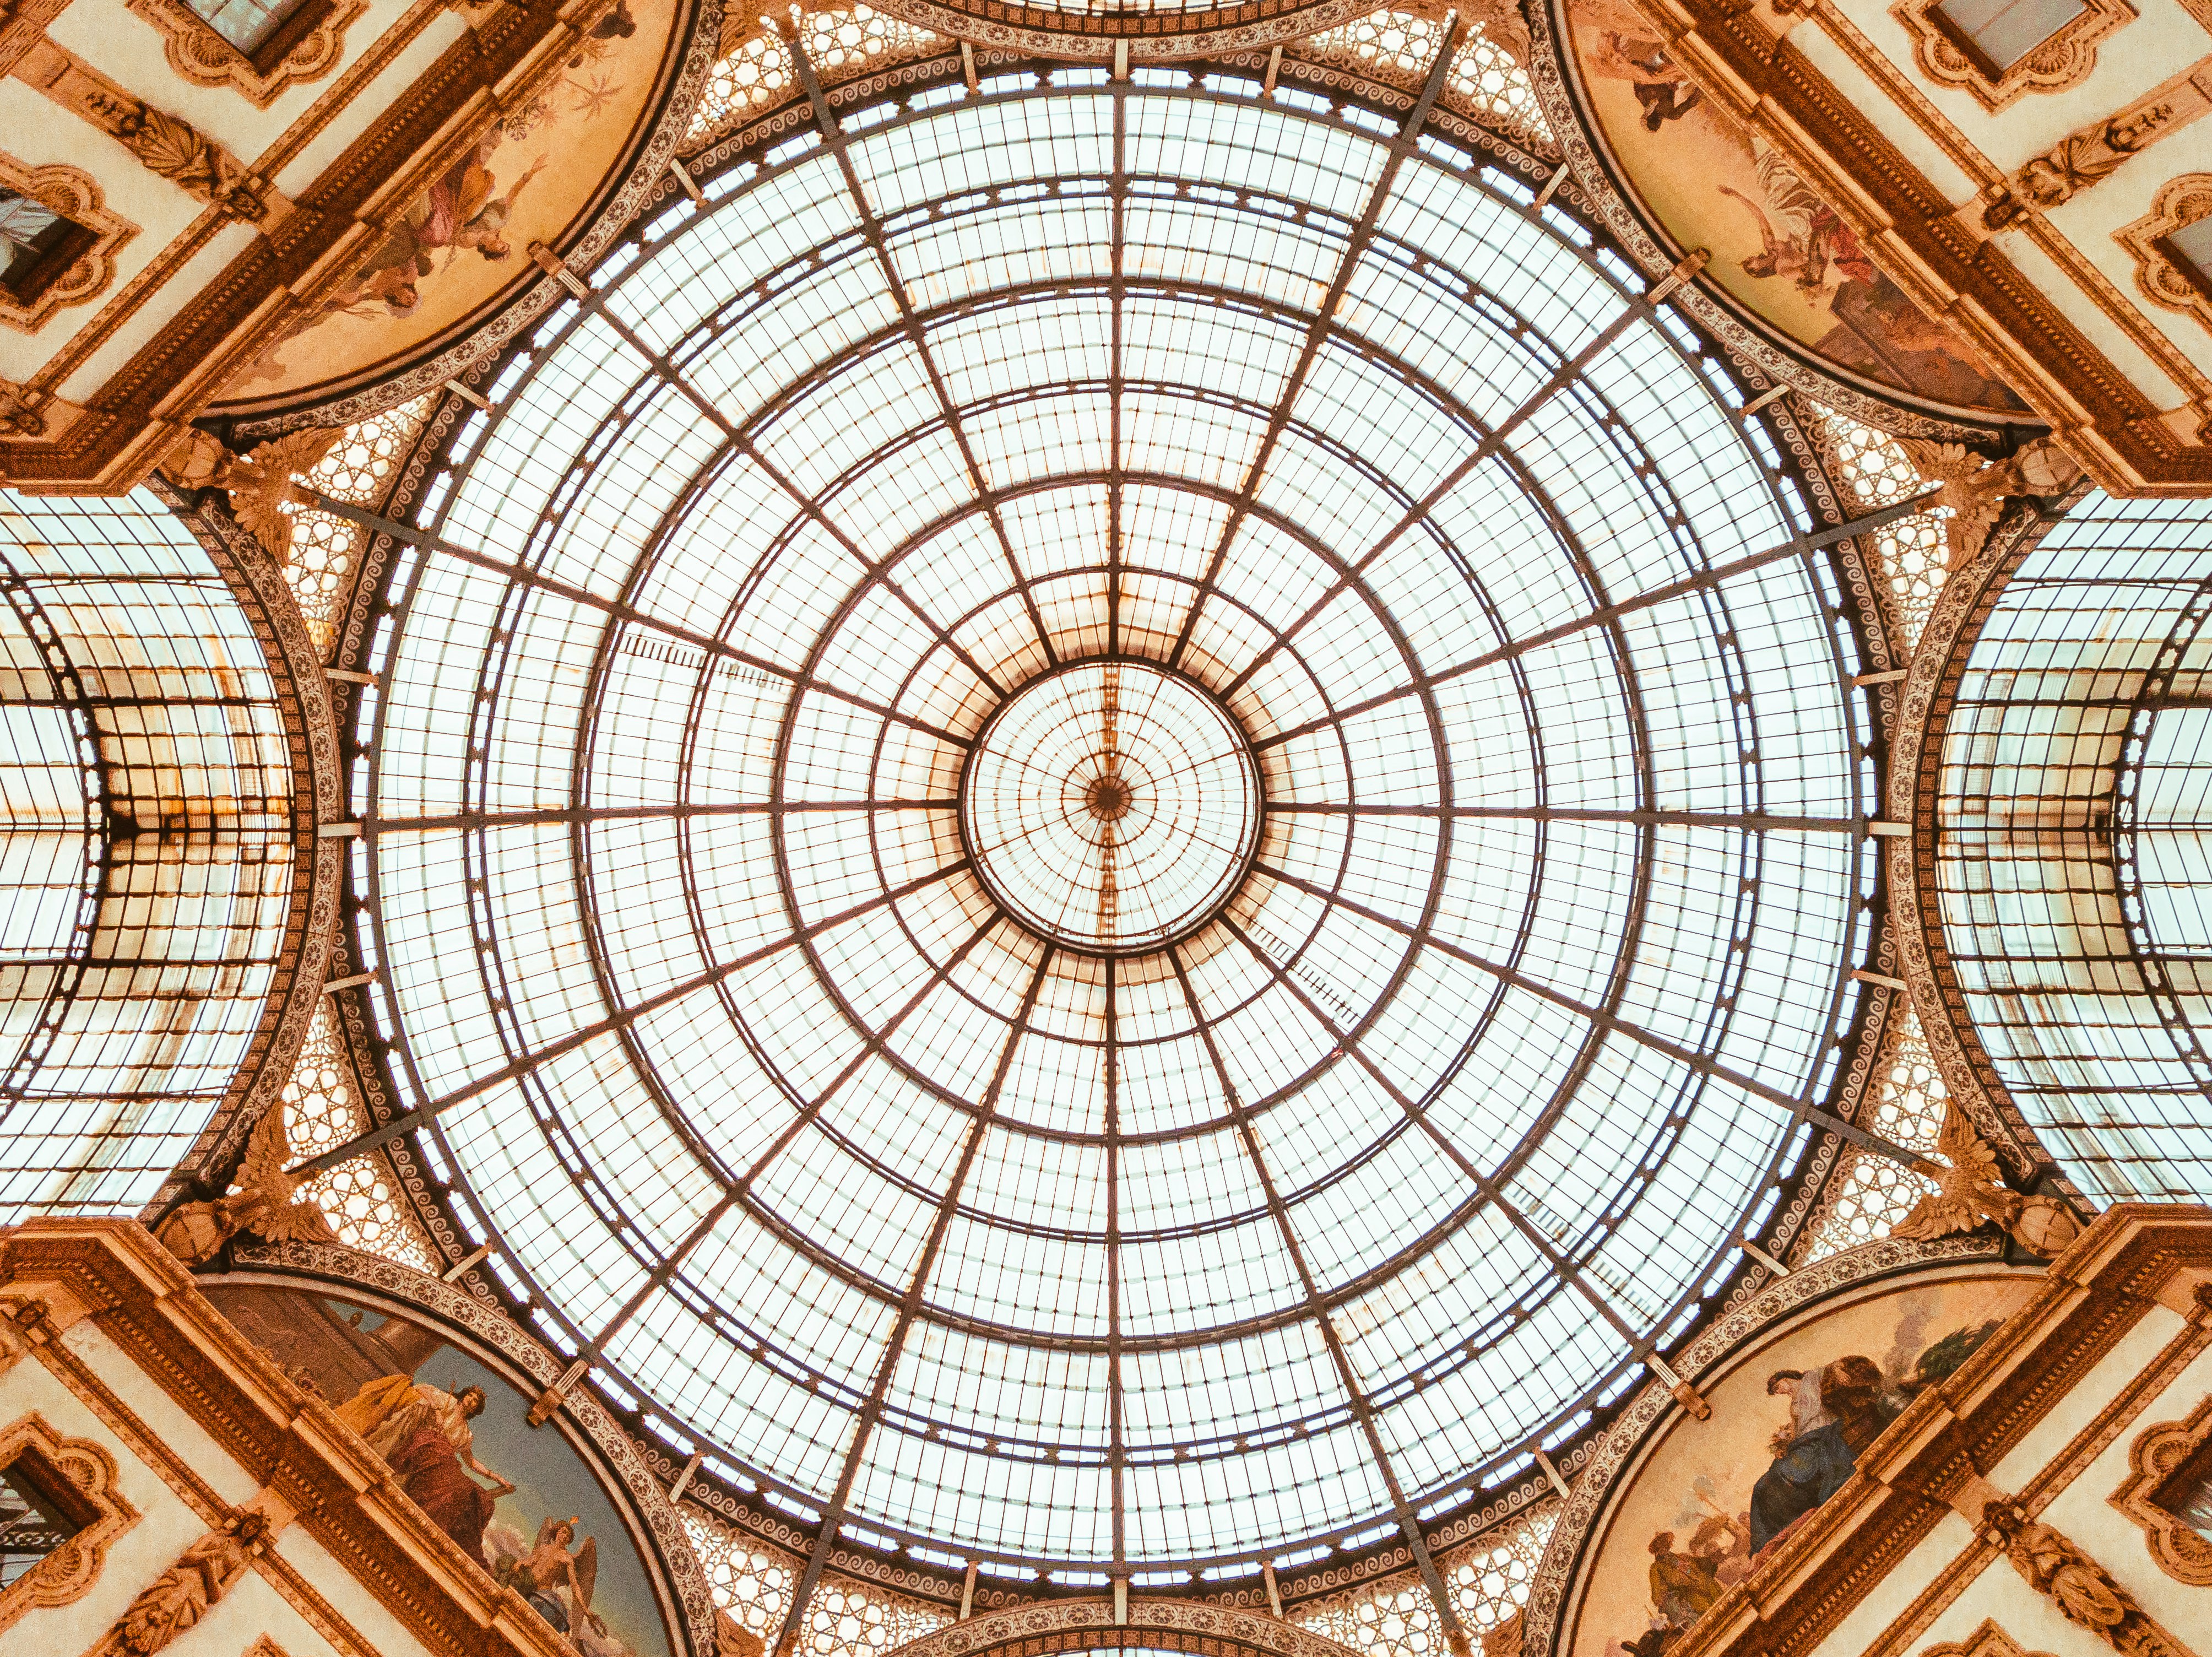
(2082, 1591)
(1987, 1640)
(84, 263)
(2160, 1457)
(304, 48)
(2162, 277)
(2063, 60)
(77, 1477)
(175, 1600)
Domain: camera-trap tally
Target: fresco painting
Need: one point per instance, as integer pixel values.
(1715, 1498)
(466, 238)
(520, 1501)
(1776, 246)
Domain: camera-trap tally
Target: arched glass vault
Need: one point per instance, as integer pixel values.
(146, 846)
(1114, 826)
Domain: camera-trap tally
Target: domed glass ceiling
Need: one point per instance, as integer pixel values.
(1106, 812)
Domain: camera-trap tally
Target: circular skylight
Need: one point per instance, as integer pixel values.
(1301, 525)
(1110, 806)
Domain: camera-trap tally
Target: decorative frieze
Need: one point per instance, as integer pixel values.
(1945, 56)
(83, 238)
(2098, 150)
(2169, 1453)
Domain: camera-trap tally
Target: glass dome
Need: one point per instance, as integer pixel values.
(1112, 825)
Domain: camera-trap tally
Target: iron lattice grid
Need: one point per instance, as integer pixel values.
(1099, 371)
(2069, 854)
(149, 851)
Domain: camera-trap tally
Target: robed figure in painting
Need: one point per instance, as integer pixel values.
(423, 1432)
(1831, 1420)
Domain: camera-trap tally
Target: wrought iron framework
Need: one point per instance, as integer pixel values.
(141, 711)
(2072, 853)
(937, 1233)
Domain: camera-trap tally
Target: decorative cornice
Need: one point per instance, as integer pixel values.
(1073, 1625)
(1150, 35)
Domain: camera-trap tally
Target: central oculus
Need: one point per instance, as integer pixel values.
(1111, 805)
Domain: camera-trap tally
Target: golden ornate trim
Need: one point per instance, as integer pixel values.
(1987, 1640)
(1947, 57)
(75, 195)
(2158, 1454)
(2162, 277)
(79, 1477)
(304, 48)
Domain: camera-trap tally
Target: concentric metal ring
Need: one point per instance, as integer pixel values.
(1111, 805)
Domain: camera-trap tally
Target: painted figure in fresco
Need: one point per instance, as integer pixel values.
(457, 212)
(1815, 1465)
(617, 25)
(1659, 86)
(1725, 1543)
(423, 1433)
(1803, 240)
(1806, 1409)
(550, 1566)
(1683, 1585)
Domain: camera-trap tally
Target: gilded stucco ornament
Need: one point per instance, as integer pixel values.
(1970, 1192)
(2082, 1590)
(77, 1475)
(180, 1596)
(1975, 488)
(259, 483)
(265, 1201)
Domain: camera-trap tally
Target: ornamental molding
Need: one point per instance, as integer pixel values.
(1987, 1640)
(75, 195)
(1148, 36)
(80, 1477)
(305, 48)
(1944, 56)
(2161, 275)
(2158, 1454)
(1555, 1582)
(336, 1269)
(1177, 1625)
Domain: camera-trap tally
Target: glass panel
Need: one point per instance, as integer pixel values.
(249, 24)
(1102, 816)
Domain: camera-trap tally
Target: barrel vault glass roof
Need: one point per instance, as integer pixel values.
(968, 1237)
